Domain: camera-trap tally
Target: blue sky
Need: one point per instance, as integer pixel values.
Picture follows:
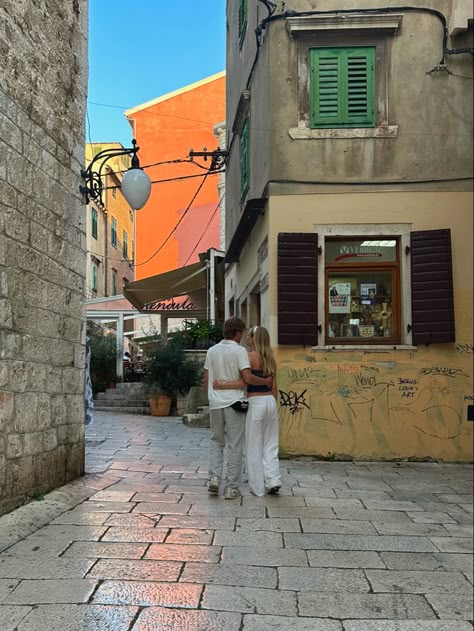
(143, 49)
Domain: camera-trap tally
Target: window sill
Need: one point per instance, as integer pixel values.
(365, 347)
(386, 131)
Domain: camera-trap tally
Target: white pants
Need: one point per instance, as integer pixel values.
(261, 444)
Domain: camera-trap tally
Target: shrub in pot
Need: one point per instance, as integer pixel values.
(103, 358)
(168, 372)
(199, 334)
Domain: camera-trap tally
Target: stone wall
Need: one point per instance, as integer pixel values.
(43, 83)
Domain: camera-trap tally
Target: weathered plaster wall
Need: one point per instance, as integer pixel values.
(390, 404)
(43, 78)
(384, 404)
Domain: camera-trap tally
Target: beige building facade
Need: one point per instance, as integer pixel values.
(349, 220)
(110, 230)
(43, 84)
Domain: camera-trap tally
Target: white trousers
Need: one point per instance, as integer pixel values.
(261, 444)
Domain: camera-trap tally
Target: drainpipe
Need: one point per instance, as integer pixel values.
(106, 253)
(212, 287)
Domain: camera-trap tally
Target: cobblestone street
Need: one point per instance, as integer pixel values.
(137, 544)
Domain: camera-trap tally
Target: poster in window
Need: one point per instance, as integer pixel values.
(340, 298)
(368, 291)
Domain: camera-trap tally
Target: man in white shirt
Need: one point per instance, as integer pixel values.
(228, 361)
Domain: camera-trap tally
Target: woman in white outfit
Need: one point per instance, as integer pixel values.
(261, 427)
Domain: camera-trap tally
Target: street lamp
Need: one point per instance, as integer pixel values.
(136, 185)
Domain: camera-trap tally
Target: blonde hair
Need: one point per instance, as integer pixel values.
(264, 349)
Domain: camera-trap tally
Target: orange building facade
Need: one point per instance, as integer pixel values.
(166, 129)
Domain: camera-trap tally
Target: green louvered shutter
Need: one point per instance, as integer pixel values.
(243, 13)
(342, 87)
(244, 160)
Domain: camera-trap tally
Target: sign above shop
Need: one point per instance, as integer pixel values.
(170, 305)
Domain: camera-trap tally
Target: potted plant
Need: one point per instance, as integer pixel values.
(199, 334)
(103, 358)
(168, 372)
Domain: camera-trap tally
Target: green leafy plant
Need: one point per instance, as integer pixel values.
(103, 357)
(199, 333)
(167, 369)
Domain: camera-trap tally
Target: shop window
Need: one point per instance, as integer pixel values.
(94, 217)
(361, 297)
(342, 87)
(125, 244)
(362, 291)
(243, 19)
(244, 160)
(113, 233)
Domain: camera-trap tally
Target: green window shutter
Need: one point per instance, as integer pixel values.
(342, 88)
(243, 13)
(244, 159)
(94, 224)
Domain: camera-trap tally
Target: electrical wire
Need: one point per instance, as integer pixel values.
(123, 107)
(177, 224)
(206, 228)
(461, 76)
(174, 179)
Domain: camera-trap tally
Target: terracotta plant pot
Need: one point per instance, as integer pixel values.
(160, 405)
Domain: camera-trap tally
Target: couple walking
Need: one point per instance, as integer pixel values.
(229, 369)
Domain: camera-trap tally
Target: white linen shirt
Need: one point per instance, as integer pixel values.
(224, 361)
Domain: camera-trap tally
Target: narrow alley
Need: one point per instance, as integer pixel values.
(138, 545)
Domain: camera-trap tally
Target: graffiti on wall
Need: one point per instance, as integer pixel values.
(376, 409)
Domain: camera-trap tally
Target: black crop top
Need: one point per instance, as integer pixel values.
(251, 388)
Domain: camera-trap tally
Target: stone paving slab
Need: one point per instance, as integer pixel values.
(453, 544)
(344, 559)
(162, 619)
(452, 606)
(406, 625)
(322, 580)
(418, 582)
(78, 618)
(358, 542)
(280, 623)
(223, 574)
(209, 522)
(147, 593)
(248, 539)
(11, 616)
(384, 606)
(272, 525)
(136, 570)
(48, 568)
(80, 518)
(338, 527)
(70, 590)
(106, 550)
(137, 535)
(174, 552)
(265, 556)
(6, 587)
(249, 600)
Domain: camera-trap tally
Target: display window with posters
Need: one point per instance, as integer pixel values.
(363, 290)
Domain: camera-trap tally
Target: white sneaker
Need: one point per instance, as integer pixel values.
(213, 485)
(231, 494)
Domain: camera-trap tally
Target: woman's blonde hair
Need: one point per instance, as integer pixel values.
(263, 347)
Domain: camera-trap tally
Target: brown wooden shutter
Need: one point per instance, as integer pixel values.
(432, 287)
(297, 288)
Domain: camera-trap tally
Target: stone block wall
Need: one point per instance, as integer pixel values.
(43, 83)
